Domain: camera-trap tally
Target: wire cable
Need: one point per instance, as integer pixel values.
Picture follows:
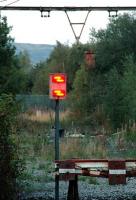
(2, 0)
(7, 5)
(11, 3)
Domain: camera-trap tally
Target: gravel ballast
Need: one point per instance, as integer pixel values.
(101, 191)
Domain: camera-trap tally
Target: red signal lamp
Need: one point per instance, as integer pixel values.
(57, 86)
(58, 78)
(58, 93)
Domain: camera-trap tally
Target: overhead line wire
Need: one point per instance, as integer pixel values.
(2, 0)
(11, 3)
(7, 5)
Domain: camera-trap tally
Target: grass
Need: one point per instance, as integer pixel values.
(35, 140)
(37, 150)
(47, 116)
(36, 174)
(81, 148)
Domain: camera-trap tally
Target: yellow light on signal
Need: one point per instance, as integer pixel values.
(57, 86)
(58, 79)
(58, 93)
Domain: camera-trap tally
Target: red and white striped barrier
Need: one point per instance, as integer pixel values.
(115, 170)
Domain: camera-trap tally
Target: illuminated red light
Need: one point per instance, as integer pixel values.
(57, 86)
(58, 79)
(58, 93)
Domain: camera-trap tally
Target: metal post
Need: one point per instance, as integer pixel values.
(73, 189)
(57, 146)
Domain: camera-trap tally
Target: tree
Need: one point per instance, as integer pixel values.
(24, 61)
(114, 43)
(11, 77)
(129, 90)
(57, 61)
(10, 166)
(10, 82)
(75, 59)
(82, 96)
(24, 72)
(7, 52)
(41, 79)
(112, 46)
(113, 99)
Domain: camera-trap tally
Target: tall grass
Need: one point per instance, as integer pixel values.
(84, 148)
(35, 139)
(46, 116)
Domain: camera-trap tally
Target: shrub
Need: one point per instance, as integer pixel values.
(10, 166)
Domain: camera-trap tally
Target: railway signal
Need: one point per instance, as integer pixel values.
(57, 91)
(57, 86)
(89, 59)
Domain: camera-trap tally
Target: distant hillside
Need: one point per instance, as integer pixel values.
(37, 52)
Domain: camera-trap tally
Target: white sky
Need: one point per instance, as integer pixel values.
(29, 27)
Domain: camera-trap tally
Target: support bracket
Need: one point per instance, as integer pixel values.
(113, 13)
(77, 37)
(73, 189)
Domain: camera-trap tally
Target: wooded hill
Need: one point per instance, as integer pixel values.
(37, 52)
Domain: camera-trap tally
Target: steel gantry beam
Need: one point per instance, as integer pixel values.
(67, 9)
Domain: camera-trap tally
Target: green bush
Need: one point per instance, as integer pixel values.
(10, 165)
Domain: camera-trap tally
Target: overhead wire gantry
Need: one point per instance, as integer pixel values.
(47, 10)
(69, 8)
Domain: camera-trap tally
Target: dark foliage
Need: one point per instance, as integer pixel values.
(10, 165)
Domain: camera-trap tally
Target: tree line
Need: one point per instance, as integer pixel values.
(103, 96)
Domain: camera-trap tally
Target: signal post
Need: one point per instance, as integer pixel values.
(57, 91)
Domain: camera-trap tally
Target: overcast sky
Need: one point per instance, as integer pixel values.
(29, 27)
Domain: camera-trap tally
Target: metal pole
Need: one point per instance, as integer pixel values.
(57, 146)
(73, 189)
